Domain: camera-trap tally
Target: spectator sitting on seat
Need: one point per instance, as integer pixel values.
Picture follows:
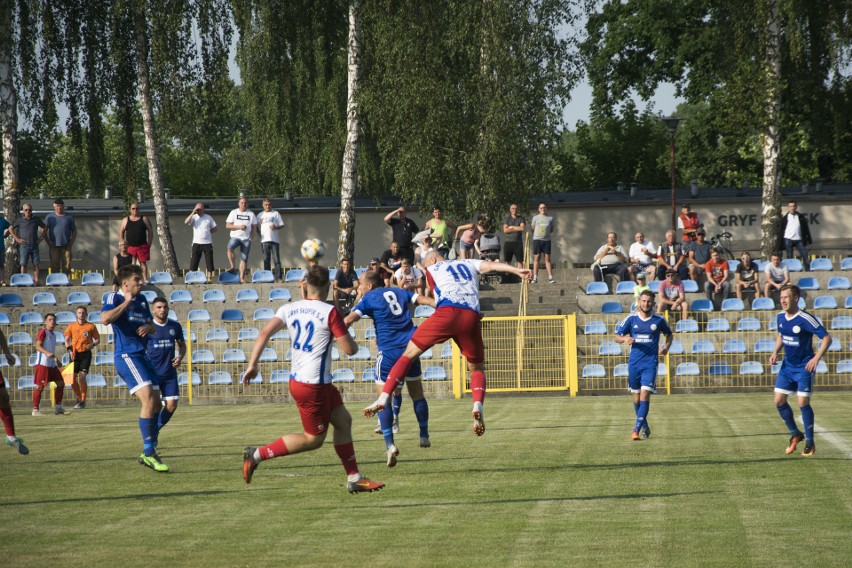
(747, 277)
(641, 285)
(408, 277)
(345, 284)
(641, 255)
(672, 256)
(689, 223)
(384, 274)
(610, 259)
(391, 259)
(717, 278)
(699, 254)
(468, 234)
(671, 296)
(777, 275)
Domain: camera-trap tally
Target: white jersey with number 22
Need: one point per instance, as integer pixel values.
(312, 325)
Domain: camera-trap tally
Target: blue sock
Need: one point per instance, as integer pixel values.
(808, 420)
(787, 416)
(148, 428)
(421, 411)
(636, 408)
(386, 422)
(397, 404)
(164, 418)
(642, 414)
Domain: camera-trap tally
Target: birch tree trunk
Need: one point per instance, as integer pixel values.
(346, 240)
(9, 119)
(152, 153)
(771, 143)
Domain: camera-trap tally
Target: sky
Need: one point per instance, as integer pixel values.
(664, 102)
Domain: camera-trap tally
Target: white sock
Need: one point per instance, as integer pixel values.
(383, 399)
(256, 456)
(355, 477)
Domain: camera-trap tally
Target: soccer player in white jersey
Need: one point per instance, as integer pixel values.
(455, 284)
(312, 324)
(796, 329)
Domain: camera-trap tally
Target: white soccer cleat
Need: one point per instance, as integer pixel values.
(478, 419)
(395, 427)
(393, 452)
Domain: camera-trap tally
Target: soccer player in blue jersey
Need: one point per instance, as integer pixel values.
(128, 313)
(391, 313)
(641, 331)
(796, 329)
(165, 358)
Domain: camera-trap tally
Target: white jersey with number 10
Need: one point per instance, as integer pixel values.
(312, 325)
(455, 283)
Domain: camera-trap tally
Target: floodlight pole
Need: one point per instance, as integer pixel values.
(671, 123)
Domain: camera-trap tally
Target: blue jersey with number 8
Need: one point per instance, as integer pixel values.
(390, 309)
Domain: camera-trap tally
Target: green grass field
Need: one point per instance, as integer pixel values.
(554, 482)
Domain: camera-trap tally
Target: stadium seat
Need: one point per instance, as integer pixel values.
(160, 279)
(234, 356)
(423, 311)
(280, 376)
(633, 307)
(21, 280)
(106, 296)
(57, 279)
(214, 295)
(96, 380)
(247, 295)
(201, 356)
(332, 274)
(219, 378)
(690, 286)
(793, 264)
(434, 373)
(620, 370)
(335, 354)
(625, 287)
(31, 318)
(280, 335)
(838, 283)
(822, 367)
(612, 308)
(280, 295)
(198, 315)
(720, 369)
(228, 278)
(44, 299)
(447, 350)
(594, 327)
(594, 371)
(194, 277)
(846, 263)
(79, 299)
(183, 378)
(11, 300)
(734, 346)
(688, 369)
(19, 338)
(262, 277)
(263, 314)
(428, 354)
(732, 305)
(343, 375)
(370, 332)
(764, 345)
(26, 382)
(65, 317)
(360, 271)
(609, 348)
(294, 275)
(703, 346)
(118, 382)
(173, 315)
(718, 324)
(808, 283)
(104, 358)
(844, 366)
(733, 265)
(836, 346)
(216, 334)
(751, 368)
(368, 375)
(4, 319)
(149, 295)
(702, 305)
(763, 304)
(847, 303)
(748, 324)
(180, 297)
(31, 360)
(247, 334)
(825, 303)
(268, 355)
(231, 315)
(841, 322)
(363, 354)
(94, 317)
(92, 279)
(654, 286)
(676, 348)
(821, 264)
(593, 288)
(662, 370)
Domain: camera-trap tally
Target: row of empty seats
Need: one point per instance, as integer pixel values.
(707, 346)
(737, 305)
(719, 368)
(689, 325)
(626, 287)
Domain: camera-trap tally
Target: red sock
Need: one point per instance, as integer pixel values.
(36, 397)
(477, 386)
(8, 420)
(274, 450)
(346, 453)
(397, 374)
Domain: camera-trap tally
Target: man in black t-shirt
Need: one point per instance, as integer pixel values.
(748, 277)
(345, 285)
(391, 259)
(404, 230)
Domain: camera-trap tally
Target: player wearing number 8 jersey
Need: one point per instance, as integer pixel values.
(455, 284)
(311, 324)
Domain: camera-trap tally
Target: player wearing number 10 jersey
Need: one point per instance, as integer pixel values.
(455, 284)
(311, 324)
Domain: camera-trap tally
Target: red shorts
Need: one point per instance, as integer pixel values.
(459, 324)
(44, 375)
(141, 253)
(315, 403)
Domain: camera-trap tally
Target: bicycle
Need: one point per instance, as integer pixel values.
(722, 243)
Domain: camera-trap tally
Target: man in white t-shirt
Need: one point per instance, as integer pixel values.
(409, 277)
(777, 275)
(641, 255)
(203, 227)
(243, 225)
(270, 223)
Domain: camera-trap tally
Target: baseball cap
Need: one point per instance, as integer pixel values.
(701, 232)
(671, 271)
(58, 201)
(376, 260)
(685, 206)
(641, 275)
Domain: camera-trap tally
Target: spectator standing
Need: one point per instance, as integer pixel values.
(699, 254)
(747, 277)
(243, 225)
(270, 223)
(689, 223)
(203, 227)
(403, 230)
(60, 236)
(514, 226)
(81, 337)
(672, 256)
(4, 227)
(796, 233)
(610, 259)
(468, 234)
(717, 278)
(641, 254)
(46, 367)
(119, 260)
(137, 232)
(672, 296)
(542, 227)
(777, 275)
(28, 232)
(440, 231)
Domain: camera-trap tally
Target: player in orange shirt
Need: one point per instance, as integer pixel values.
(80, 338)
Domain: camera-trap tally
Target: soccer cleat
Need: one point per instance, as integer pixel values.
(393, 451)
(794, 441)
(153, 461)
(37, 412)
(378, 429)
(810, 449)
(18, 444)
(80, 405)
(478, 420)
(395, 427)
(373, 409)
(634, 435)
(248, 463)
(364, 485)
(424, 442)
(645, 432)
(58, 409)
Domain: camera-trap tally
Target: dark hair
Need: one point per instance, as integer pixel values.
(127, 272)
(84, 308)
(317, 277)
(159, 300)
(647, 293)
(372, 277)
(797, 292)
(48, 314)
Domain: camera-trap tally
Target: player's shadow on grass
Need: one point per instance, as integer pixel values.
(137, 497)
(627, 496)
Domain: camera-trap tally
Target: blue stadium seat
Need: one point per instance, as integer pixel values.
(748, 324)
(11, 300)
(718, 324)
(332, 274)
(263, 314)
(280, 376)
(368, 375)
(720, 369)
(363, 354)
(105, 297)
(57, 279)
(268, 355)
(280, 295)
(194, 277)
(844, 366)
(612, 308)
(65, 317)
(160, 279)
(79, 299)
(836, 346)
(228, 278)
(294, 275)
(428, 354)
(793, 264)
(847, 303)
(593, 288)
(247, 295)
(44, 299)
(96, 380)
(763, 304)
(822, 367)
(180, 297)
(732, 305)
(447, 350)
(214, 295)
(609, 348)
(31, 361)
(702, 305)
(594, 327)
(219, 378)
(104, 358)
(92, 279)
(216, 334)
(751, 368)
(434, 373)
(734, 346)
(733, 265)
(231, 315)
(21, 280)
(625, 287)
(26, 382)
(202, 356)
(846, 263)
(676, 348)
(149, 295)
(94, 317)
(262, 277)
(361, 270)
(31, 318)
(280, 335)
(183, 379)
(247, 334)
(825, 303)
(838, 283)
(4, 320)
(173, 315)
(19, 338)
(234, 356)
(198, 315)
(688, 369)
(594, 371)
(118, 382)
(662, 370)
(764, 345)
(703, 346)
(370, 332)
(620, 370)
(423, 311)
(821, 264)
(335, 354)
(690, 286)
(841, 322)
(654, 286)
(808, 283)
(343, 375)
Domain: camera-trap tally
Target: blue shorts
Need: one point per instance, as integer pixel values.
(243, 244)
(642, 378)
(136, 371)
(30, 252)
(385, 361)
(794, 380)
(540, 246)
(169, 389)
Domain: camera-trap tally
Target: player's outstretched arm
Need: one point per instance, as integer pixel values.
(490, 266)
(270, 329)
